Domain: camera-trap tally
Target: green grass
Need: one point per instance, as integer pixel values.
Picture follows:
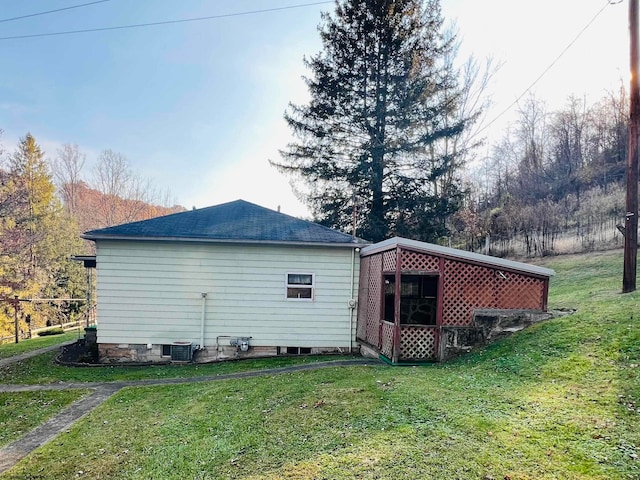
(42, 370)
(11, 349)
(21, 412)
(558, 401)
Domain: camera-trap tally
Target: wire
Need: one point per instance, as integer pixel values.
(167, 22)
(51, 11)
(544, 72)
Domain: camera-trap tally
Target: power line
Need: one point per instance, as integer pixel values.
(52, 11)
(546, 70)
(166, 22)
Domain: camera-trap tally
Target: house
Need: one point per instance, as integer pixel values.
(425, 302)
(229, 281)
(238, 280)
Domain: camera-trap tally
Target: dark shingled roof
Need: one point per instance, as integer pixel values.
(237, 221)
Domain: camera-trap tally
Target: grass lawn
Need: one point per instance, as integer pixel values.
(42, 369)
(560, 400)
(23, 411)
(11, 349)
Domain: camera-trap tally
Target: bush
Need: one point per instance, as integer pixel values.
(53, 331)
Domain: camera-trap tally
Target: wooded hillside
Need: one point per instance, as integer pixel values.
(553, 184)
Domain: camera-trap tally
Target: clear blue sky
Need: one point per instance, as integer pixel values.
(198, 106)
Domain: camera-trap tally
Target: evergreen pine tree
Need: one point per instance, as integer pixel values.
(383, 97)
(36, 237)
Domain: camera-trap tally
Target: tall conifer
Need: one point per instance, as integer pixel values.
(383, 97)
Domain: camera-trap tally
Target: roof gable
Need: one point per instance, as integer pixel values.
(237, 221)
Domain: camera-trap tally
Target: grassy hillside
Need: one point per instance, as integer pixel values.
(11, 349)
(558, 401)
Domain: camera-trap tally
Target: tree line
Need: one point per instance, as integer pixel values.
(388, 143)
(553, 184)
(45, 204)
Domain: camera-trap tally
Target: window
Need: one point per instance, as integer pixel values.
(300, 286)
(166, 350)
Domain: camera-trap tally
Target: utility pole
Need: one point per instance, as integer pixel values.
(631, 217)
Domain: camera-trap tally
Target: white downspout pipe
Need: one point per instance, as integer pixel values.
(204, 305)
(351, 308)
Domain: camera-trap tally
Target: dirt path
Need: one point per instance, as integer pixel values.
(20, 448)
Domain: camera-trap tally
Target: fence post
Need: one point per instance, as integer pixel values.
(15, 316)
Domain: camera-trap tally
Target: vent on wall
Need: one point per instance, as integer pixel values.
(298, 350)
(181, 351)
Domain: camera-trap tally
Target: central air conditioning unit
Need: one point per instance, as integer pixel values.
(181, 351)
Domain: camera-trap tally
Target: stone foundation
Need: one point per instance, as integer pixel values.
(128, 352)
(119, 353)
(368, 351)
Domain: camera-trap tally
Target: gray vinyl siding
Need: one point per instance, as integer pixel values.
(150, 292)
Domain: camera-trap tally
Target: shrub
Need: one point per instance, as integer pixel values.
(53, 331)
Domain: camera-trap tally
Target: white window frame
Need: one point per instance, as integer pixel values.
(288, 285)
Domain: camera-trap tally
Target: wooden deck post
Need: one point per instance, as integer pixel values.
(396, 307)
(15, 315)
(439, 349)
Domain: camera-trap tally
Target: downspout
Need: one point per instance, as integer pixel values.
(204, 304)
(351, 302)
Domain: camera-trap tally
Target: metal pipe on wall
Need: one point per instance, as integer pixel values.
(202, 315)
(352, 302)
(353, 255)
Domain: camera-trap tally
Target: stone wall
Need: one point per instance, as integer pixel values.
(488, 325)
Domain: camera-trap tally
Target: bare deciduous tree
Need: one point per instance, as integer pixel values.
(67, 168)
(538, 176)
(126, 195)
